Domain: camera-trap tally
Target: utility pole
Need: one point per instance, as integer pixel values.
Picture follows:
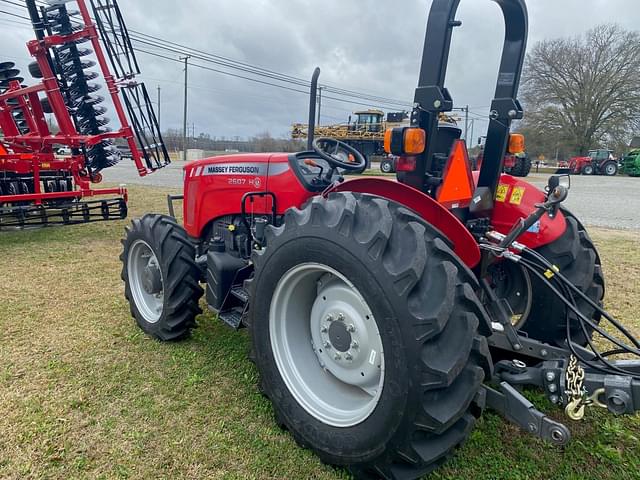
(466, 123)
(184, 123)
(473, 124)
(159, 109)
(319, 104)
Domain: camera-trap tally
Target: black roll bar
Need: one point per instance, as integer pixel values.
(432, 98)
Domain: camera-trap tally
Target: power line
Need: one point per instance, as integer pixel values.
(291, 78)
(13, 14)
(374, 102)
(182, 50)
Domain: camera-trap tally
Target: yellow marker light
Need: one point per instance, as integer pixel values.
(231, 228)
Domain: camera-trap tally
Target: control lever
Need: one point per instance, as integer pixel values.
(312, 163)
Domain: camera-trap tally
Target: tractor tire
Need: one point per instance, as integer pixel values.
(576, 256)
(415, 319)
(522, 168)
(161, 277)
(387, 166)
(610, 169)
(587, 170)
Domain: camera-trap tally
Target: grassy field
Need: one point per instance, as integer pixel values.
(83, 394)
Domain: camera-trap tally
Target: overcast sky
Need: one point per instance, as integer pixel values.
(364, 45)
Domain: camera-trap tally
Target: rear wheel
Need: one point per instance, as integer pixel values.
(371, 357)
(610, 169)
(521, 168)
(543, 316)
(161, 277)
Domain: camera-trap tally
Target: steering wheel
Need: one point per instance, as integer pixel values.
(340, 154)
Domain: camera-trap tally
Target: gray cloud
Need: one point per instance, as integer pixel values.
(370, 46)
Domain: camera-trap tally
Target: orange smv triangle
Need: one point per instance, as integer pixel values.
(456, 190)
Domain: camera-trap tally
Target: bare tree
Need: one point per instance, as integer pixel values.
(584, 91)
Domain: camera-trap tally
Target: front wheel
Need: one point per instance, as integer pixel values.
(161, 277)
(386, 166)
(587, 170)
(370, 356)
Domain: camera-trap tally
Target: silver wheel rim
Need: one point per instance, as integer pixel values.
(142, 268)
(386, 167)
(326, 345)
(610, 169)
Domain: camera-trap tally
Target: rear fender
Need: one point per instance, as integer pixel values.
(464, 244)
(516, 199)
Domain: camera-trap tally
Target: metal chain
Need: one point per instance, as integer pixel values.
(577, 397)
(574, 377)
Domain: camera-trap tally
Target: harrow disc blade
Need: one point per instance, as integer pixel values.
(5, 83)
(9, 74)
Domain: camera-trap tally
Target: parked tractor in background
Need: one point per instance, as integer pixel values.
(384, 315)
(517, 164)
(46, 177)
(631, 163)
(598, 162)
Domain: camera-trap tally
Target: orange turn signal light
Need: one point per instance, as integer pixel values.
(388, 134)
(516, 143)
(415, 141)
(405, 141)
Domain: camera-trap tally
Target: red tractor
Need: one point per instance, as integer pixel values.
(598, 162)
(38, 186)
(517, 163)
(386, 315)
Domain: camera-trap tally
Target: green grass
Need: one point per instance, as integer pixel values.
(84, 394)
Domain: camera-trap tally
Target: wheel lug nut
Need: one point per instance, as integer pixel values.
(337, 357)
(326, 345)
(324, 329)
(354, 344)
(351, 328)
(348, 357)
(340, 317)
(329, 318)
